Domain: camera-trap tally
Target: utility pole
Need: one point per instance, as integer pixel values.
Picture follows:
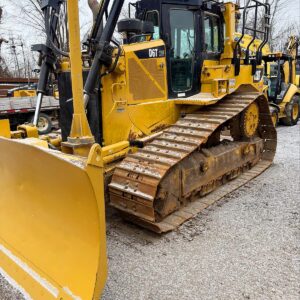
(24, 59)
(29, 70)
(13, 48)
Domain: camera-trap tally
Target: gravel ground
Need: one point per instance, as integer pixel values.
(245, 247)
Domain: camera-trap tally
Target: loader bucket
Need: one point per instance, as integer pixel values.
(52, 222)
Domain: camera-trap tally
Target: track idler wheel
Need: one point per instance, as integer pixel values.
(250, 121)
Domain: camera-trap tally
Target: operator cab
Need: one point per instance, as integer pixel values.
(192, 31)
(277, 86)
(278, 80)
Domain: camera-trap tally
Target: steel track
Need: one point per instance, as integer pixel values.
(142, 179)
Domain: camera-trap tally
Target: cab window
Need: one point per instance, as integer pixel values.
(153, 16)
(182, 25)
(212, 33)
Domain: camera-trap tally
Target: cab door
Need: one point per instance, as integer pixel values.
(179, 30)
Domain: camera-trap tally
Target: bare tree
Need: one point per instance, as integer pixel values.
(282, 35)
(276, 24)
(4, 72)
(29, 14)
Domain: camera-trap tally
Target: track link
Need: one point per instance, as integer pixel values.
(155, 187)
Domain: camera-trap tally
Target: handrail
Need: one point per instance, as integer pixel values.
(252, 4)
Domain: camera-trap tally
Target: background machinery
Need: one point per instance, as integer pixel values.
(284, 84)
(164, 124)
(23, 91)
(8, 85)
(20, 109)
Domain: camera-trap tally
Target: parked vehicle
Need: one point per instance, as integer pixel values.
(20, 110)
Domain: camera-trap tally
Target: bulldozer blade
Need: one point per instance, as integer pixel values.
(52, 222)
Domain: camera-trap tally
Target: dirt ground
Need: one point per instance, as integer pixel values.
(245, 247)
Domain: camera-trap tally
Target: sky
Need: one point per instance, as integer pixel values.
(13, 26)
(289, 14)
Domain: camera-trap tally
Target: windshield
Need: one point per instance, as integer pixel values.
(182, 49)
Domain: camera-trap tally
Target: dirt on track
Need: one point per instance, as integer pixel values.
(247, 246)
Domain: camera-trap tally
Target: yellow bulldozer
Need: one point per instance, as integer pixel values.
(170, 119)
(284, 83)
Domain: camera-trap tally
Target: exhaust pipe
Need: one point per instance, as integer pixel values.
(95, 7)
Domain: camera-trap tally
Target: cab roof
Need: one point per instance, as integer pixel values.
(156, 4)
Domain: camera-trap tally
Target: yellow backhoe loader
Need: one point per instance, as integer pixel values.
(169, 121)
(283, 84)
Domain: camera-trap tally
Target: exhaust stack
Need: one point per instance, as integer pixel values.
(95, 7)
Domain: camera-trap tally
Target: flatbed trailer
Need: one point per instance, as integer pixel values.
(19, 110)
(7, 84)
